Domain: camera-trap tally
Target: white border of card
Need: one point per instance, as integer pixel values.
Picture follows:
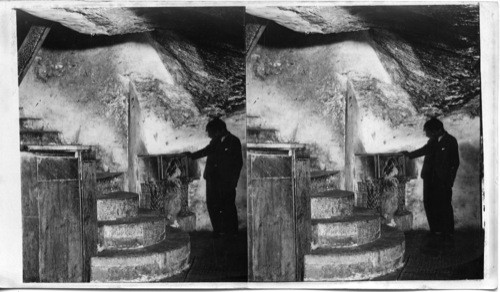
(10, 185)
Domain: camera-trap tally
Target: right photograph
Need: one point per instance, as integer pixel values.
(364, 143)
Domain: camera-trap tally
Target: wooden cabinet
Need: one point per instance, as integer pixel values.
(278, 211)
(59, 213)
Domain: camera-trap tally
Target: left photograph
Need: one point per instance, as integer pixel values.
(133, 148)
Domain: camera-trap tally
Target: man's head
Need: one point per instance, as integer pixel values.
(433, 128)
(216, 128)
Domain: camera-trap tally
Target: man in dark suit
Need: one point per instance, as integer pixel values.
(222, 171)
(438, 172)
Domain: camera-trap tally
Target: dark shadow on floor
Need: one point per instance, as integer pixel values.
(225, 259)
(427, 258)
(215, 260)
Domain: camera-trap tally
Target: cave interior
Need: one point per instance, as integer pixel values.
(144, 81)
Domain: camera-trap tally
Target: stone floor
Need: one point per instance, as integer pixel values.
(216, 260)
(225, 260)
(426, 259)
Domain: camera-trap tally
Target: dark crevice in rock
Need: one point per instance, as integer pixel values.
(213, 74)
(279, 37)
(62, 38)
(439, 81)
(222, 26)
(445, 75)
(451, 26)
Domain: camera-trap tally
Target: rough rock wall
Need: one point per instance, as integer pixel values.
(296, 84)
(300, 89)
(213, 73)
(439, 80)
(80, 93)
(80, 86)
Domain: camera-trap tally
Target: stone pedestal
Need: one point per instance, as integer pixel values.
(404, 220)
(351, 244)
(187, 222)
(136, 246)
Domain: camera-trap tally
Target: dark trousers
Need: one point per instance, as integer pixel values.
(438, 208)
(222, 208)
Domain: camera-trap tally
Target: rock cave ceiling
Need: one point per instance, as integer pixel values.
(432, 52)
(214, 74)
(445, 40)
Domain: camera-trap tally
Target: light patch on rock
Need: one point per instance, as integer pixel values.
(139, 59)
(358, 58)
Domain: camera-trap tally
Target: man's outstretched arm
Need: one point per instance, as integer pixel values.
(417, 153)
(202, 152)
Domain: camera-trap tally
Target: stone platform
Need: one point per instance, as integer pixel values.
(363, 262)
(404, 220)
(363, 227)
(187, 222)
(130, 233)
(331, 204)
(349, 243)
(136, 246)
(117, 205)
(153, 263)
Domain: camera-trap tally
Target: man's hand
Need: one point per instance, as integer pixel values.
(187, 153)
(405, 153)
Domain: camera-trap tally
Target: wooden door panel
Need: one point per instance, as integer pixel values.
(273, 254)
(302, 212)
(263, 166)
(60, 253)
(57, 168)
(29, 201)
(89, 210)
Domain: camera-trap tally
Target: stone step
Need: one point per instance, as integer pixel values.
(331, 204)
(26, 123)
(108, 182)
(360, 228)
(323, 174)
(187, 221)
(130, 233)
(117, 205)
(261, 135)
(39, 137)
(380, 257)
(324, 180)
(254, 121)
(148, 264)
(404, 220)
(108, 175)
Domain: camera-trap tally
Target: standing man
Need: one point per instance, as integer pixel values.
(438, 172)
(222, 171)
